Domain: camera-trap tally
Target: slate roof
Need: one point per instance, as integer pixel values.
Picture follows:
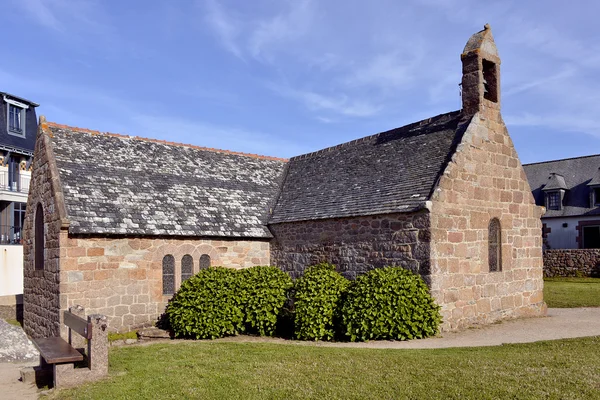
(115, 184)
(555, 182)
(393, 171)
(577, 172)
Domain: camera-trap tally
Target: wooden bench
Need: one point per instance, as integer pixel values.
(90, 345)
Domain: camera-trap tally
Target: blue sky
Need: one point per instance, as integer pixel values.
(283, 78)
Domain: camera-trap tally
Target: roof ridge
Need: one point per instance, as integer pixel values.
(365, 138)
(151, 140)
(562, 159)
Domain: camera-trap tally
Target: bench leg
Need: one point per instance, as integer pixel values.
(63, 375)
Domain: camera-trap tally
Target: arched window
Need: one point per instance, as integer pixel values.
(168, 274)
(204, 261)
(495, 245)
(187, 267)
(39, 237)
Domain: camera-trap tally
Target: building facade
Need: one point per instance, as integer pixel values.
(570, 191)
(18, 129)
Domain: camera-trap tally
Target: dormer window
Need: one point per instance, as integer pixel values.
(16, 117)
(596, 197)
(553, 200)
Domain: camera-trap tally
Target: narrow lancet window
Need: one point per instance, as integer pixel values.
(187, 267)
(495, 245)
(39, 237)
(204, 261)
(168, 274)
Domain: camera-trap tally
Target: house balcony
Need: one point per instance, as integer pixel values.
(16, 190)
(11, 235)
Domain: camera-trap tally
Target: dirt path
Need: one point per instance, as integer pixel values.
(11, 388)
(559, 324)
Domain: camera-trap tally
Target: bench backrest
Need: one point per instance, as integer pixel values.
(78, 324)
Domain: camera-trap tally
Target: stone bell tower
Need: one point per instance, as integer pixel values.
(481, 73)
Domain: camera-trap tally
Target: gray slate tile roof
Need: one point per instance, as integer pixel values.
(393, 171)
(577, 172)
(120, 185)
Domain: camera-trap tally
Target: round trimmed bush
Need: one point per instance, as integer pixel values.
(389, 303)
(317, 300)
(207, 305)
(263, 291)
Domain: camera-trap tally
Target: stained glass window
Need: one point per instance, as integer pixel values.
(204, 261)
(187, 267)
(168, 274)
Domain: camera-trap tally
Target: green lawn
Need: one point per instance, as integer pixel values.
(562, 369)
(572, 292)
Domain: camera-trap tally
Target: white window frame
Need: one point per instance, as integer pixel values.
(23, 109)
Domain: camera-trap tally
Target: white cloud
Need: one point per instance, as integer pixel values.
(225, 28)
(527, 85)
(339, 104)
(213, 136)
(42, 13)
(279, 30)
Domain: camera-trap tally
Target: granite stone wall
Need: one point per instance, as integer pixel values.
(484, 181)
(122, 277)
(41, 302)
(354, 245)
(572, 262)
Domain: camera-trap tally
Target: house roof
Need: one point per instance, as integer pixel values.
(555, 182)
(114, 184)
(577, 172)
(393, 171)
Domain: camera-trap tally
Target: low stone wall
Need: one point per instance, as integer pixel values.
(572, 262)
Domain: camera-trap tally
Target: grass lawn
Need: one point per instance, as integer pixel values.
(562, 369)
(572, 292)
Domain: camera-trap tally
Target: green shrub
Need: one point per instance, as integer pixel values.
(263, 291)
(389, 303)
(207, 305)
(317, 301)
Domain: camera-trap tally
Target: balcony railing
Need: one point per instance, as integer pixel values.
(11, 234)
(20, 183)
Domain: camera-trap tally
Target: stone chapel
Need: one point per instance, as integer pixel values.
(116, 223)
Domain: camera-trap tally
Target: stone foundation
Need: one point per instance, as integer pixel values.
(354, 245)
(572, 262)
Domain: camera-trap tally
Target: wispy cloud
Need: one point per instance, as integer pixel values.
(284, 27)
(582, 123)
(388, 71)
(522, 87)
(41, 12)
(339, 104)
(224, 26)
(214, 136)
(65, 15)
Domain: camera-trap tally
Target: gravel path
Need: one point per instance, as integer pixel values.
(17, 352)
(561, 323)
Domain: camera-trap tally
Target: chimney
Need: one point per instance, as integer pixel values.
(481, 73)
